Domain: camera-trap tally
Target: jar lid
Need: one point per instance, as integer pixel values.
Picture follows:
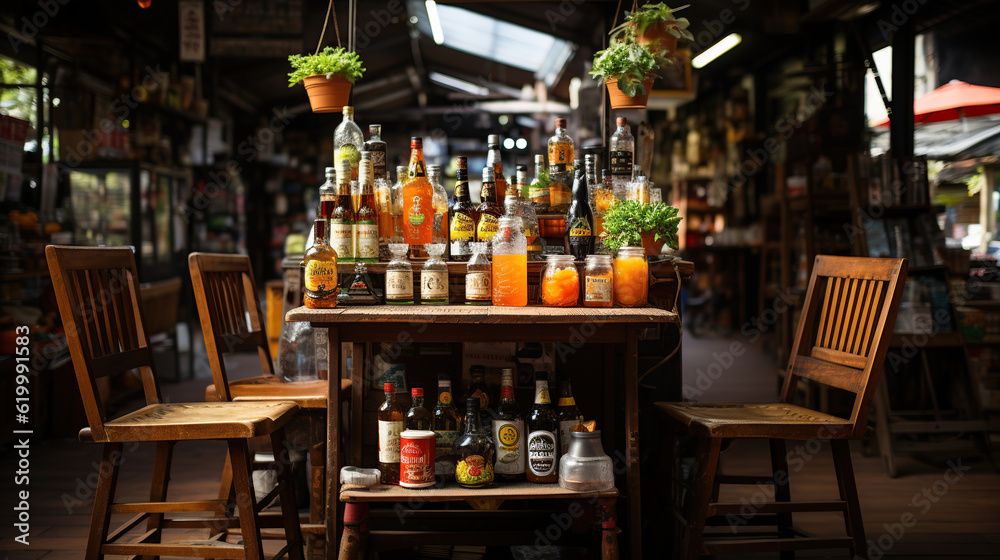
(599, 259)
(596, 434)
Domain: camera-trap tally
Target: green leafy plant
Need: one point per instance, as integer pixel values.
(651, 14)
(330, 61)
(628, 62)
(627, 220)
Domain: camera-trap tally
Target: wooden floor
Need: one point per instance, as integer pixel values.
(945, 520)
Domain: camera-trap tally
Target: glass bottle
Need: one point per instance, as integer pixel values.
(478, 277)
(366, 159)
(508, 433)
(377, 147)
(446, 422)
(568, 413)
(579, 240)
(543, 435)
(561, 151)
(590, 165)
(397, 204)
(560, 282)
(434, 277)
(328, 194)
(418, 200)
(584, 467)
(386, 225)
(495, 162)
(603, 196)
(510, 264)
(538, 191)
(473, 451)
(489, 211)
(320, 263)
(390, 425)
(479, 390)
(418, 417)
(529, 219)
(463, 215)
(366, 216)
(342, 232)
(598, 282)
(348, 142)
(631, 284)
(622, 152)
(399, 276)
(440, 203)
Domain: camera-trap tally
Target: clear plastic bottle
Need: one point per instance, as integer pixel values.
(440, 204)
(622, 150)
(510, 264)
(399, 276)
(348, 141)
(478, 276)
(434, 276)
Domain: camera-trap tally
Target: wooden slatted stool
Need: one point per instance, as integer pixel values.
(98, 295)
(842, 339)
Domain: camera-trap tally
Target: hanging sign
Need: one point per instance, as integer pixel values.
(191, 14)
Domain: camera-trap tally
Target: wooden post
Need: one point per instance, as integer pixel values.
(333, 448)
(632, 440)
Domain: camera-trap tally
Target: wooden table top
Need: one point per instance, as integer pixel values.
(453, 492)
(485, 314)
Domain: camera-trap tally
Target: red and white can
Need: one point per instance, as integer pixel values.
(416, 459)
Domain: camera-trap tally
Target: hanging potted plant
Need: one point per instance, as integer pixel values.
(628, 69)
(629, 223)
(328, 76)
(656, 24)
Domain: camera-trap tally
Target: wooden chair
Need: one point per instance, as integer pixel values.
(225, 291)
(98, 294)
(843, 335)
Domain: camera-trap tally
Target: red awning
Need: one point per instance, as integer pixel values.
(953, 101)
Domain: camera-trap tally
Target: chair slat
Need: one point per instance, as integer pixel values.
(121, 361)
(118, 309)
(100, 316)
(850, 305)
(862, 314)
(838, 297)
(876, 310)
(827, 371)
(824, 316)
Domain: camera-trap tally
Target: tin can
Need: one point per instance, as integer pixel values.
(416, 459)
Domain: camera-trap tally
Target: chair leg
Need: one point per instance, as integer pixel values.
(317, 481)
(107, 480)
(782, 491)
(239, 457)
(289, 513)
(849, 493)
(158, 488)
(707, 459)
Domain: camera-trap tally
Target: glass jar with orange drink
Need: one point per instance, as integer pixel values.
(560, 282)
(631, 282)
(510, 263)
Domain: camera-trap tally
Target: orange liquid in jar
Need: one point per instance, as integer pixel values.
(631, 284)
(561, 288)
(510, 280)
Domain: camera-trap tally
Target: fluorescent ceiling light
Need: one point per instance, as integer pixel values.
(716, 50)
(456, 84)
(435, 21)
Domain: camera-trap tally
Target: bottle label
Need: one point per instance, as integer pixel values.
(567, 401)
(378, 164)
(538, 194)
(542, 392)
(388, 440)
(621, 163)
(560, 157)
(418, 213)
(399, 285)
(321, 278)
(559, 193)
(342, 239)
(462, 227)
(581, 228)
(477, 286)
(565, 428)
(488, 226)
(444, 397)
(443, 442)
(598, 289)
(541, 453)
(506, 392)
(474, 470)
(367, 240)
(509, 438)
(434, 284)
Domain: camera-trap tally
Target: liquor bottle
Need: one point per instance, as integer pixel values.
(473, 451)
(579, 240)
(543, 435)
(342, 234)
(479, 390)
(538, 191)
(622, 154)
(366, 159)
(463, 215)
(446, 420)
(418, 200)
(377, 147)
(348, 142)
(399, 276)
(590, 164)
(328, 194)
(434, 276)
(529, 219)
(390, 425)
(397, 204)
(495, 162)
(418, 417)
(478, 290)
(489, 211)
(440, 204)
(366, 216)
(386, 226)
(320, 263)
(508, 433)
(568, 413)
(561, 153)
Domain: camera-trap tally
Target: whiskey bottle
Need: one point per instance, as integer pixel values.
(320, 263)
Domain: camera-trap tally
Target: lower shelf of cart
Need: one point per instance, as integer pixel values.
(452, 492)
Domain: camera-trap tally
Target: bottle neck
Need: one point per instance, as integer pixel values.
(488, 193)
(539, 166)
(542, 392)
(472, 419)
(417, 168)
(390, 398)
(418, 402)
(319, 232)
(462, 186)
(566, 394)
(507, 393)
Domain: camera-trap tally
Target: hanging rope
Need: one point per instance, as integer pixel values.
(336, 28)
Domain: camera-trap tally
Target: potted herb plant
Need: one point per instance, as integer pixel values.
(627, 69)
(328, 76)
(629, 223)
(656, 24)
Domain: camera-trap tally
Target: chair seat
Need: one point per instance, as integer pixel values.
(763, 420)
(188, 421)
(306, 394)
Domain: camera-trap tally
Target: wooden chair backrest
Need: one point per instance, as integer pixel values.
(844, 331)
(98, 294)
(226, 294)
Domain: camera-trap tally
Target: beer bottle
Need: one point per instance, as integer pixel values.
(568, 413)
(508, 433)
(489, 211)
(579, 218)
(342, 234)
(543, 435)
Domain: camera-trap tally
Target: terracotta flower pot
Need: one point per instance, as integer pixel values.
(621, 101)
(657, 33)
(651, 247)
(327, 95)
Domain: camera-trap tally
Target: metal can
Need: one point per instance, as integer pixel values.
(416, 459)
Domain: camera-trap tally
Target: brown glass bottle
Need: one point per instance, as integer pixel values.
(543, 435)
(495, 162)
(464, 216)
(342, 218)
(390, 425)
(366, 215)
(446, 420)
(568, 413)
(328, 194)
(418, 417)
(508, 433)
(320, 264)
(489, 211)
(473, 451)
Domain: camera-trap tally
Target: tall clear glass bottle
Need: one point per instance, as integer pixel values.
(622, 150)
(399, 276)
(434, 276)
(494, 161)
(529, 218)
(377, 147)
(348, 141)
(508, 433)
(440, 234)
(478, 276)
(538, 191)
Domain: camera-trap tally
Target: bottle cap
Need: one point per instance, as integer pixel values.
(539, 159)
(416, 142)
(463, 162)
(389, 388)
(375, 129)
(621, 121)
(365, 154)
(330, 172)
(416, 392)
(560, 122)
(348, 111)
(472, 402)
(493, 140)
